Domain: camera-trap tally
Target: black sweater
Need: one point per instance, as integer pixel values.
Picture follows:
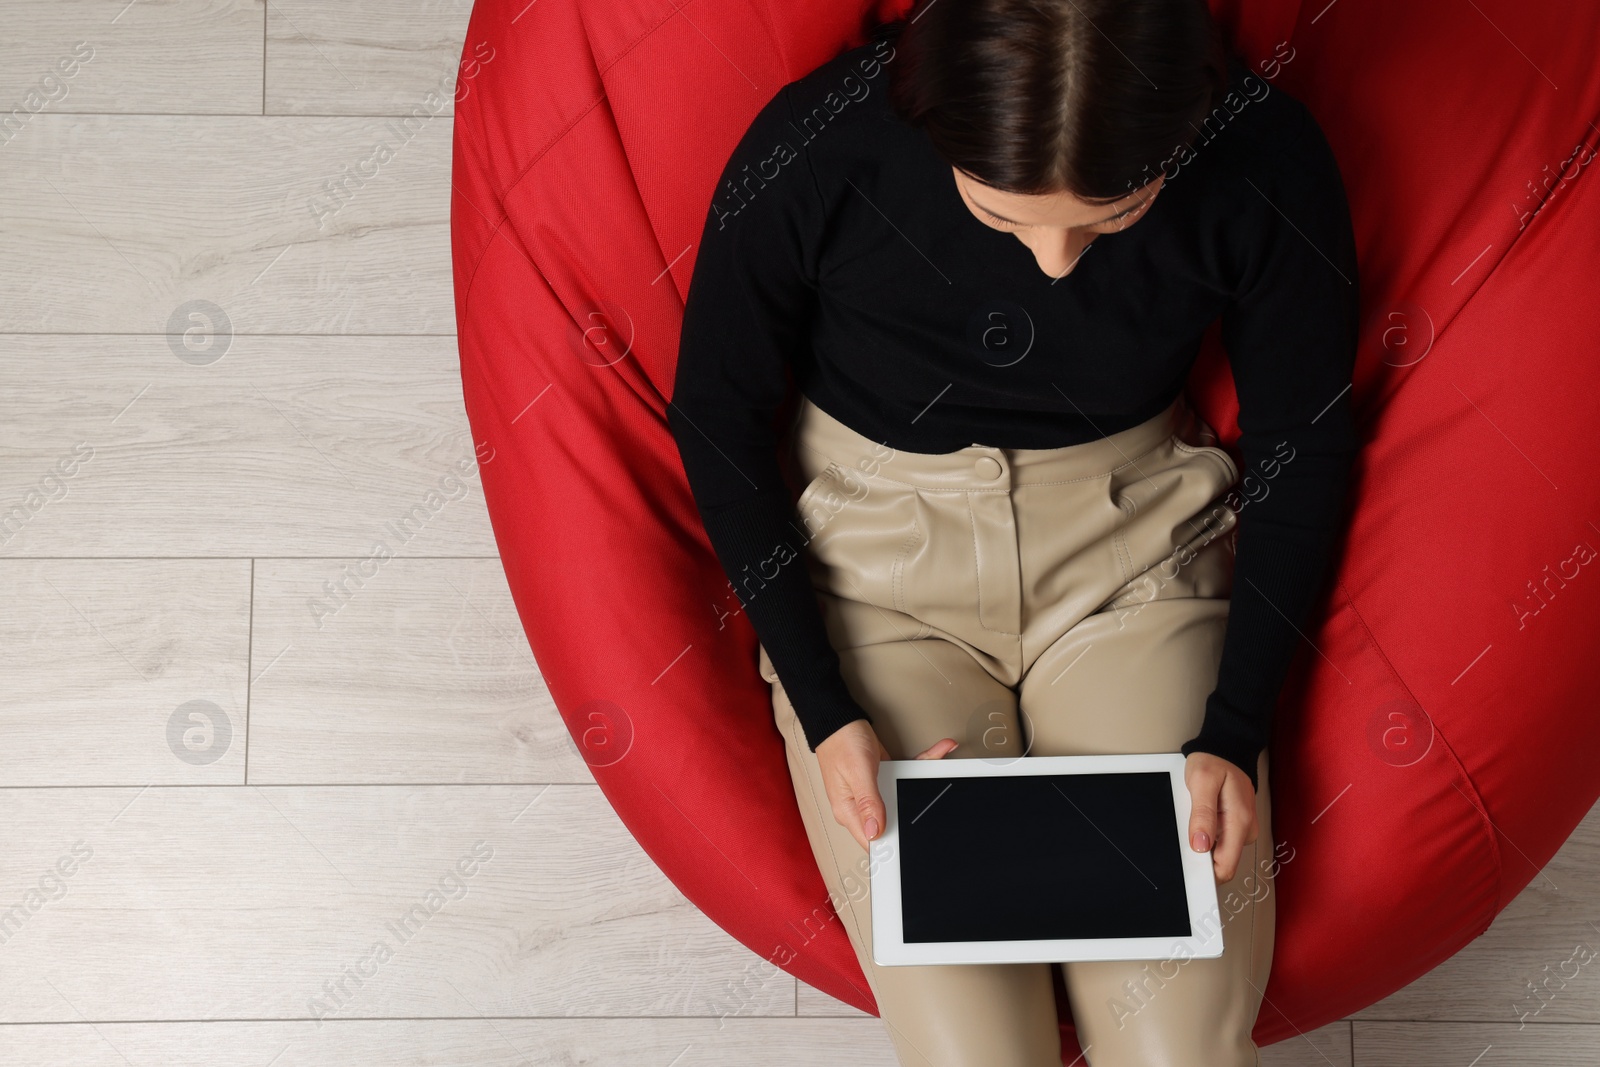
(838, 248)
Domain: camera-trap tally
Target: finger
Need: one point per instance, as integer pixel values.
(873, 813)
(863, 812)
(849, 822)
(1236, 820)
(1247, 806)
(939, 749)
(1204, 796)
(1242, 806)
(1225, 857)
(848, 815)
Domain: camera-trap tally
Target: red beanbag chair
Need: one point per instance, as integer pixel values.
(1434, 743)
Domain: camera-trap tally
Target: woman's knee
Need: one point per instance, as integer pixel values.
(971, 1015)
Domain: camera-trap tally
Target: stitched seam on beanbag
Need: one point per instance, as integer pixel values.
(1477, 798)
(505, 193)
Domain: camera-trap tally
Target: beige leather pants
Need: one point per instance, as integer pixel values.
(1032, 602)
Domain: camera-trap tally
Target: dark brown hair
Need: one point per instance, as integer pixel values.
(1044, 96)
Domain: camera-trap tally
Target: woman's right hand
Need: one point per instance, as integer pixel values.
(849, 759)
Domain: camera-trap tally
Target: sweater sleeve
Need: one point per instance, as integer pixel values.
(750, 300)
(1290, 334)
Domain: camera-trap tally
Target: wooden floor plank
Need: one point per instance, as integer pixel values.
(247, 902)
(278, 221)
(369, 57)
(422, 670)
(285, 446)
(1425, 1044)
(194, 58)
(814, 1003)
(456, 1043)
(1327, 1046)
(123, 671)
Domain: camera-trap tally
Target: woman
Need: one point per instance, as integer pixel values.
(985, 246)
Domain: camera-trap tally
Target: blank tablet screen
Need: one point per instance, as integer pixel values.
(1040, 857)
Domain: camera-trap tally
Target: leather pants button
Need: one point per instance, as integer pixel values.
(987, 467)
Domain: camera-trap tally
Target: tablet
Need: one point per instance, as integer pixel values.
(1039, 859)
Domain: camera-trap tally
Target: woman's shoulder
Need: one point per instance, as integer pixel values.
(843, 104)
(1259, 161)
(1267, 188)
(1258, 130)
(838, 110)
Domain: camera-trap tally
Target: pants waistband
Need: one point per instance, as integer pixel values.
(979, 467)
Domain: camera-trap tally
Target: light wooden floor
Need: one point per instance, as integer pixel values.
(237, 748)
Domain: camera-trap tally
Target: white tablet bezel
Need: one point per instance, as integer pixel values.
(889, 947)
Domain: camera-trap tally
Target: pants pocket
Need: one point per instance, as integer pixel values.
(1196, 437)
(1219, 454)
(863, 537)
(1174, 538)
(820, 479)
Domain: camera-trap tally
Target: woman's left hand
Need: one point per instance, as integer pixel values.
(1223, 811)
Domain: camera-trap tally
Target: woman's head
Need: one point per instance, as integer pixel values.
(1057, 113)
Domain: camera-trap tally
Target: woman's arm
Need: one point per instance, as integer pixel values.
(1290, 333)
(748, 312)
